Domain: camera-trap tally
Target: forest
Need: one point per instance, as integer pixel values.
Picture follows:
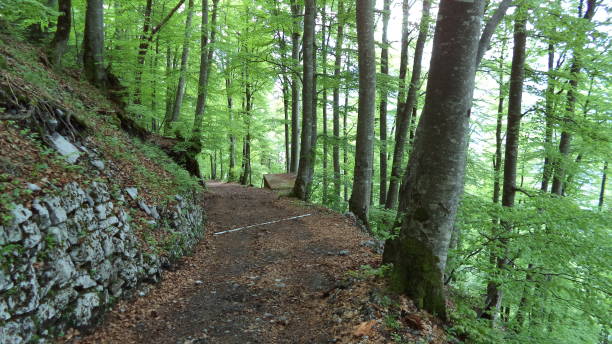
(472, 137)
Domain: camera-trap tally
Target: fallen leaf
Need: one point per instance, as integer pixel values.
(364, 329)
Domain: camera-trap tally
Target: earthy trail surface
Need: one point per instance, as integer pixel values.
(267, 284)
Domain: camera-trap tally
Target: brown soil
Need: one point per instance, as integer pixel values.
(279, 283)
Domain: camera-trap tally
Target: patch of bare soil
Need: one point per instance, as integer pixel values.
(285, 282)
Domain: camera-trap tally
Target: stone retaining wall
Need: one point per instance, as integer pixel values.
(65, 258)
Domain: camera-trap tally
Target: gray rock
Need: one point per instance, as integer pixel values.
(34, 236)
(85, 282)
(63, 269)
(11, 333)
(34, 187)
(5, 280)
(101, 211)
(46, 312)
(99, 192)
(132, 192)
(111, 221)
(65, 148)
(99, 164)
(4, 311)
(155, 213)
(43, 219)
(84, 308)
(19, 214)
(144, 207)
(13, 234)
(57, 213)
(74, 196)
(52, 123)
(343, 253)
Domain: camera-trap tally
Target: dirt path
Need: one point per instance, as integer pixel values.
(266, 284)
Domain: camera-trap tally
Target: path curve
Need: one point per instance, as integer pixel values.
(265, 284)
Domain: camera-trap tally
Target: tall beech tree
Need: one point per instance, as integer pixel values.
(303, 182)
(62, 33)
(384, 94)
(359, 203)
(434, 178)
(517, 76)
(93, 44)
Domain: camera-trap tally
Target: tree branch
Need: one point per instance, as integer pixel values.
(489, 29)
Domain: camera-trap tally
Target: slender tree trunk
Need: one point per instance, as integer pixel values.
(324, 45)
(141, 55)
(336, 101)
(548, 114)
(203, 78)
(296, 12)
(62, 33)
(436, 168)
(405, 111)
(494, 292)
(286, 95)
(170, 85)
(559, 177)
(303, 183)
(93, 44)
(180, 89)
(602, 189)
(345, 139)
(359, 203)
(231, 174)
(384, 93)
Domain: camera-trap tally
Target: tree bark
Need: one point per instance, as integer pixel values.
(384, 93)
(602, 189)
(180, 89)
(404, 117)
(93, 44)
(517, 76)
(336, 101)
(559, 176)
(62, 33)
(324, 45)
(359, 203)
(303, 183)
(296, 12)
(548, 114)
(436, 169)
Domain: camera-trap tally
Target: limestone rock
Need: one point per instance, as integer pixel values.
(65, 148)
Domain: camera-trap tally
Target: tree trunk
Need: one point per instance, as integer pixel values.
(559, 176)
(324, 44)
(384, 93)
(180, 89)
(203, 77)
(93, 44)
(359, 203)
(602, 189)
(303, 181)
(144, 44)
(62, 33)
(336, 101)
(548, 114)
(286, 95)
(296, 12)
(436, 169)
(405, 111)
(231, 174)
(494, 292)
(345, 138)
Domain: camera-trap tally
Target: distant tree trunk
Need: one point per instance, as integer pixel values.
(143, 45)
(384, 93)
(359, 203)
(436, 169)
(93, 44)
(245, 178)
(180, 89)
(171, 62)
(494, 292)
(231, 174)
(345, 138)
(203, 77)
(548, 114)
(303, 183)
(336, 101)
(559, 177)
(324, 45)
(296, 12)
(405, 111)
(602, 190)
(286, 95)
(62, 33)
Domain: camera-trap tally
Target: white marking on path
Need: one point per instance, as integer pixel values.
(260, 224)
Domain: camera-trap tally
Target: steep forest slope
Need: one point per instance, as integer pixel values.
(88, 212)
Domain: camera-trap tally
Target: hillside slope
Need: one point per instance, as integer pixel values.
(88, 212)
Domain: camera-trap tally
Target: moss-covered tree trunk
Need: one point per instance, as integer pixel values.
(93, 44)
(62, 33)
(436, 168)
